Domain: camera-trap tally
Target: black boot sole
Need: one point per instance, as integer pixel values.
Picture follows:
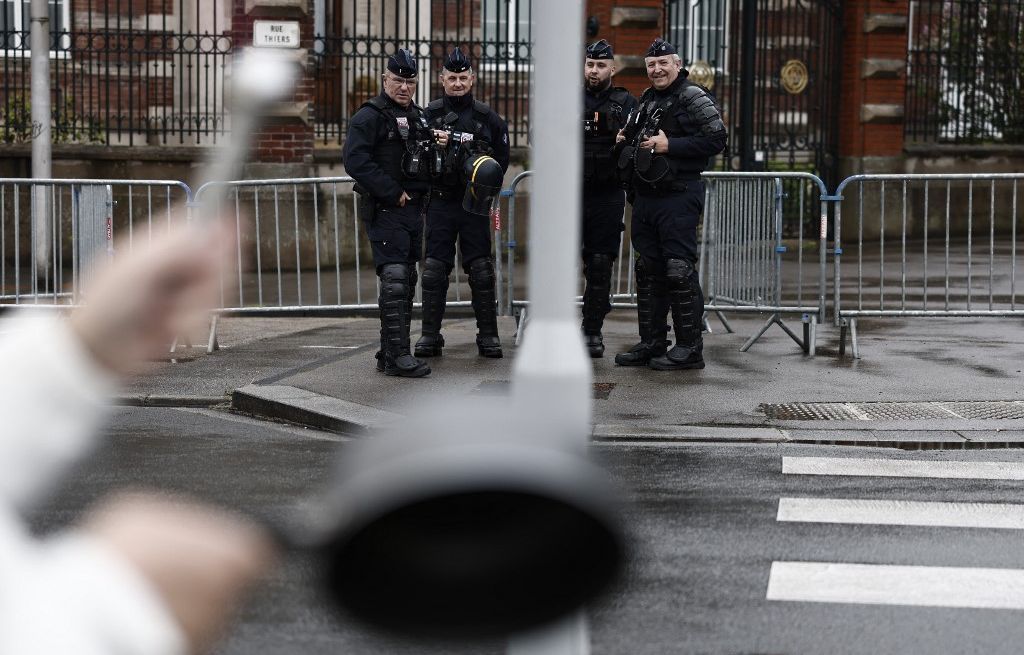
(620, 362)
(490, 353)
(433, 351)
(664, 364)
(595, 354)
(418, 372)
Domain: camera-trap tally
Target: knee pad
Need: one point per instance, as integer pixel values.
(394, 280)
(599, 268)
(481, 273)
(679, 273)
(435, 274)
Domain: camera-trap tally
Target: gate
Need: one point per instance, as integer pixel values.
(780, 95)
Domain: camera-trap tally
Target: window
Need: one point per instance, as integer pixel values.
(506, 21)
(698, 28)
(15, 26)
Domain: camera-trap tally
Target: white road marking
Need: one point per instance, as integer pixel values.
(333, 347)
(871, 584)
(902, 468)
(902, 512)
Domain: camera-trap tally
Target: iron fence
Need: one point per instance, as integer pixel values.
(965, 72)
(134, 73)
(350, 58)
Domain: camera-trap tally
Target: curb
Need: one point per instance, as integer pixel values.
(157, 400)
(310, 409)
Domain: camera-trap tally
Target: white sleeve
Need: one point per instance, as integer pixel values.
(69, 594)
(53, 399)
(73, 595)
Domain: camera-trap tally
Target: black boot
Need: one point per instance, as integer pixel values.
(410, 297)
(435, 292)
(485, 306)
(652, 316)
(687, 301)
(597, 269)
(394, 315)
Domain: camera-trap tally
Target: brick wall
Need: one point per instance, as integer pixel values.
(625, 24)
(287, 136)
(874, 78)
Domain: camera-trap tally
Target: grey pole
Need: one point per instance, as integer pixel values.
(40, 46)
(552, 374)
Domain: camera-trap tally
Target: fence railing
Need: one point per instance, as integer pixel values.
(920, 246)
(941, 250)
(965, 61)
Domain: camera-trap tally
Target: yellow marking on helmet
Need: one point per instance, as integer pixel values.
(476, 166)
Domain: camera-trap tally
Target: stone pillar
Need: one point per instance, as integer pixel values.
(284, 146)
(630, 27)
(873, 86)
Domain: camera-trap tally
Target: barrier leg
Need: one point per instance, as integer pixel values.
(725, 322)
(520, 325)
(792, 335)
(853, 338)
(810, 322)
(764, 328)
(706, 324)
(842, 338)
(212, 345)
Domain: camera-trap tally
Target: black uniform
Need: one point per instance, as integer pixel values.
(668, 198)
(475, 129)
(604, 114)
(378, 156)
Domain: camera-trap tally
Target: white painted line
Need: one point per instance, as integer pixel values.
(333, 347)
(902, 512)
(871, 584)
(902, 468)
(857, 412)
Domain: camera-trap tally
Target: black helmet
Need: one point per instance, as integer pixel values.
(483, 184)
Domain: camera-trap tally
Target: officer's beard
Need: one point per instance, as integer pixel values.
(599, 86)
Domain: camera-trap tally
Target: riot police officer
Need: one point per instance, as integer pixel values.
(393, 155)
(476, 131)
(605, 109)
(663, 150)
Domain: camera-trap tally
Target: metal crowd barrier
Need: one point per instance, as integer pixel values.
(749, 264)
(53, 230)
(941, 249)
(757, 255)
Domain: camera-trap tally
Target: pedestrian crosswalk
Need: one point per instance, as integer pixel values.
(885, 584)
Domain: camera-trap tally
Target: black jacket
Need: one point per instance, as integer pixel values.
(374, 148)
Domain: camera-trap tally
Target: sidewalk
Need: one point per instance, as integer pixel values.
(320, 372)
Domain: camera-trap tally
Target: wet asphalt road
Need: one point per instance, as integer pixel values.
(704, 528)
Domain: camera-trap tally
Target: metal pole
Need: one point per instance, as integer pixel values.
(747, 85)
(39, 42)
(552, 374)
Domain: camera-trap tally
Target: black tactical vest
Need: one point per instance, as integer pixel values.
(470, 136)
(689, 111)
(401, 124)
(599, 130)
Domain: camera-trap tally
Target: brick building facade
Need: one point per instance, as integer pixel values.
(152, 74)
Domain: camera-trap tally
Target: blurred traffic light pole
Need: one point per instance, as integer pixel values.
(552, 375)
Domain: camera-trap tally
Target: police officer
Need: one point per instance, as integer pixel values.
(475, 130)
(605, 109)
(664, 148)
(390, 152)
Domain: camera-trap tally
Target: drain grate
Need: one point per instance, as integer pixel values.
(890, 411)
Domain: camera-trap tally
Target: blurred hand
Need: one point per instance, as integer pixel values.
(198, 559)
(657, 143)
(139, 304)
(442, 138)
(404, 198)
(620, 137)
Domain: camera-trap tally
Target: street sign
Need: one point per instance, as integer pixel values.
(275, 34)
